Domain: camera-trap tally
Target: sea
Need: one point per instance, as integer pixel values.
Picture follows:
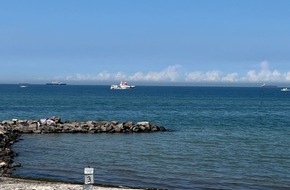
(217, 138)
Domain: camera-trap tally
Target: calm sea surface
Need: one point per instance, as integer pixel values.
(220, 138)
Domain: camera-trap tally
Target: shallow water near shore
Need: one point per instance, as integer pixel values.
(228, 138)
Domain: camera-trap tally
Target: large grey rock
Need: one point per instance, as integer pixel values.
(3, 164)
(90, 124)
(25, 128)
(155, 128)
(119, 127)
(143, 123)
(104, 128)
(7, 122)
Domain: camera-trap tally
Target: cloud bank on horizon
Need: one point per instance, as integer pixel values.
(177, 74)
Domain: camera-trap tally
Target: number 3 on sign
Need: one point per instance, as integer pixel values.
(89, 179)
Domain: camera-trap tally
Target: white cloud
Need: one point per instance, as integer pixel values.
(232, 77)
(287, 76)
(213, 76)
(171, 74)
(198, 76)
(119, 76)
(174, 74)
(264, 75)
(104, 76)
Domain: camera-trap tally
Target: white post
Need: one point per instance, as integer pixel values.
(89, 178)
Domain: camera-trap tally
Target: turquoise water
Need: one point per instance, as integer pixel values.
(220, 138)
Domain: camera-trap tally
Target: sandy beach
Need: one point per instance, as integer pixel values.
(7, 183)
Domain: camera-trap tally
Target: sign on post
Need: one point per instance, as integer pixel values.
(89, 178)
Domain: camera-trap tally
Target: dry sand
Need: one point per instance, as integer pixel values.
(26, 184)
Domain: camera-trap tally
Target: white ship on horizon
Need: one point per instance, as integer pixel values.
(285, 89)
(121, 86)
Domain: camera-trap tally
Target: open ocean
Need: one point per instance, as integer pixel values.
(220, 138)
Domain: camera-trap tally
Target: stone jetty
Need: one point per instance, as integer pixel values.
(55, 125)
(10, 131)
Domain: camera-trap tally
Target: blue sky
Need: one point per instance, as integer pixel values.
(145, 41)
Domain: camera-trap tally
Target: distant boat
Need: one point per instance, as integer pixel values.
(55, 83)
(285, 90)
(264, 85)
(121, 86)
(23, 85)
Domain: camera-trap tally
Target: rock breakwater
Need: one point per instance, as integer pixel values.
(10, 131)
(7, 139)
(55, 125)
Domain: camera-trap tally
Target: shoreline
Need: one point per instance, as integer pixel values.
(16, 183)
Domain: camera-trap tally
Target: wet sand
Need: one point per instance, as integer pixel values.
(7, 183)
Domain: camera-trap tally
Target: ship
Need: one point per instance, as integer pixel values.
(55, 83)
(121, 86)
(264, 85)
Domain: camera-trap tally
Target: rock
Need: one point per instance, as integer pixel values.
(143, 128)
(14, 165)
(45, 129)
(90, 124)
(25, 129)
(79, 129)
(67, 126)
(119, 127)
(84, 126)
(49, 122)
(92, 128)
(42, 121)
(162, 128)
(136, 129)
(104, 129)
(128, 124)
(114, 122)
(22, 122)
(155, 128)
(143, 123)
(3, 164)
(31, 122)
(56, 119)
(33, 126)
(8, 122)
(109, 128)
(98, 128)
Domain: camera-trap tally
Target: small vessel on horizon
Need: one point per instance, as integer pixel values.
(121, 86)
(264, 85)
(55, 83)
(23, 85)
(285, 89)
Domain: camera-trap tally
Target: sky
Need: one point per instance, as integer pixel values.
(185, 42)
